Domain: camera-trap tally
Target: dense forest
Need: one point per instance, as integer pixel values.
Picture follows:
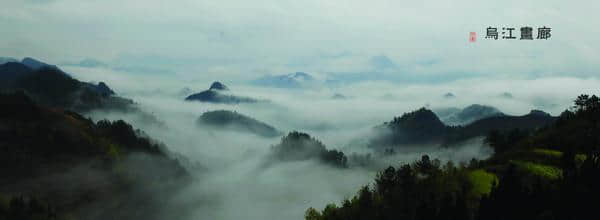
(298, 146)
(547, 173)
(57, 164)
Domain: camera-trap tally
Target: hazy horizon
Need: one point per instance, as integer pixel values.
(366, 62)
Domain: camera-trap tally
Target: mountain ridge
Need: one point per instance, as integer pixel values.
(215, 94)
(291, 81)
(231, 120)
(424, 127)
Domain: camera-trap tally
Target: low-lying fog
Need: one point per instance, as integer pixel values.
(233, 182)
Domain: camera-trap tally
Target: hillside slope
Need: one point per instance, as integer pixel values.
(77, 167)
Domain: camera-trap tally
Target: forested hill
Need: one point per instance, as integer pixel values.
(229, 120)
(218, 93)
(424, 127)
(50, 86)
(455, 116)
(298, 146)
(535, 119)
(417, 127)
(548, 173)
(56, 164)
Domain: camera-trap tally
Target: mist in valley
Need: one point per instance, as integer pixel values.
(230, 177)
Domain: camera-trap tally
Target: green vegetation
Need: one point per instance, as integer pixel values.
(28, 208)
(548, 152)
(297, 146)
(421, 190)
(580, 158)
(108, 160)
(4, 202)
(545, 173)
(482, 181)
(542, 170)
(113, 151)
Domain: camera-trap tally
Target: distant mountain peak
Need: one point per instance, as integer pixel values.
(478, 110)
(225, 119)
(536, 112)
(291, 80)
(423, 115)
(101, 88)
(4, 60)
(382, 62)
(214, 94)
(15, 65)
(417, 119)
(89, 62)
(29, 59)
(298, 146)
(449, 95)
(471, 113)
(423, 126)
(302, 75)
(218, 86)
(36, 64)
(420, 126)
(338, 96)
(507, 95)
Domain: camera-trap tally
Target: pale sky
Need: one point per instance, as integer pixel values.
(419, 39)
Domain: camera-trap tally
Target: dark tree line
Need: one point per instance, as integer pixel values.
(503, 141)
(422, 190)
(27, 208)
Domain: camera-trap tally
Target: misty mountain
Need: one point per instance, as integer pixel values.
(546, 173)
(507, 95)
(446, 112)
(224, 119)
(4, 60)
(70, 165)
(87, 63)
(36, 64)
(424, 127)
(27, 61)
(454, 116)
(52, 87)
(218, 86)
(218, 93)
(100, 88)
(292, 80)
(184, 92)
(418, 127)
(10, 72)
(534, 120)
(338, 96)
(382, 62)
(298, 146)
(449, 95)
